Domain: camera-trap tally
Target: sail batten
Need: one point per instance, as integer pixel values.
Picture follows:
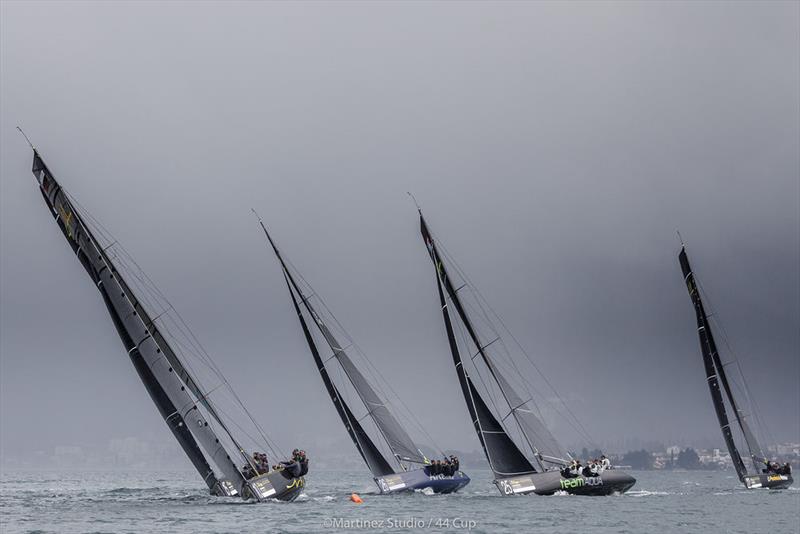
(538, 435)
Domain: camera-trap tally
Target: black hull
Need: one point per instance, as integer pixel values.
(274, 485)
(419, 480)
(768, 481)
(551, 482)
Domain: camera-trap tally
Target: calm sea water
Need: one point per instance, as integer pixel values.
(661, 502)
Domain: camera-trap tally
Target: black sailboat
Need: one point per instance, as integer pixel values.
(397, 475)
(542, 471)
(183, 403)
(764, 474)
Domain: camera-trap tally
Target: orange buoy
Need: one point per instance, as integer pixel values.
(355, 498)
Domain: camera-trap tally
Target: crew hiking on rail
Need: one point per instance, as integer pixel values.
(775, 468)
(593, 468)
(296, 467)
(447, 467)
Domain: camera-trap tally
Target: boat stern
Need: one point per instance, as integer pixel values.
(418, 480)
(275, 485)
(768, 481)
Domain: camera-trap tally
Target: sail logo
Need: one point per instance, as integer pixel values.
(690, 285)
(67, 218)
(572, 483)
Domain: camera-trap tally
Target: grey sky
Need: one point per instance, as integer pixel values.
(554, 147)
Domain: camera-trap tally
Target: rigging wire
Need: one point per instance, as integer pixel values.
(149, 286)
(572, 419)
(376, 374)
(745, 388)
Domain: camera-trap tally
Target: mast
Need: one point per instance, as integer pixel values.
(715, 371)
(502, 453)
(374, 459)
(155, 362)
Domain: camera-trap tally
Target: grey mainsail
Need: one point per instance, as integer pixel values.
(155, 362)
(396, 437)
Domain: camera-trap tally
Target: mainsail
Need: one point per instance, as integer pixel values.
(715, 374)
(396, 437)
(166, 379)
(505, 458)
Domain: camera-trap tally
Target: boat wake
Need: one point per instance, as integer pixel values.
(132, 491)
(646, 493)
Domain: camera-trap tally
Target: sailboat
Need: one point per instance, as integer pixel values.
(543, 472)
(398, 475)
(183, 403)
(761, 475)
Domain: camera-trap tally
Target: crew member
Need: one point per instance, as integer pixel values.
(605, 463)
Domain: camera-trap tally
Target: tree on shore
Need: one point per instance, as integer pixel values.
(638, 459)
(688, 459)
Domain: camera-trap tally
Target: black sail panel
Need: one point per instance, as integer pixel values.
(173, 402)
(708, 349)
(503, 455)
(372, 456)
(375, 461)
